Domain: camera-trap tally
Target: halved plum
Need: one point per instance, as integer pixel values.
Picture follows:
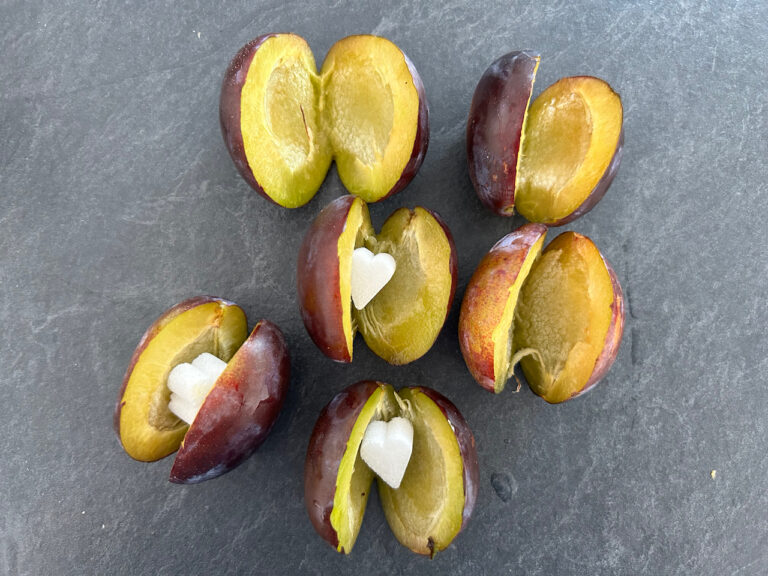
(560, 313)
(438, 491)
(283, 123)
(404, 318)
(553, 161)
(236, 411)
(570, 319)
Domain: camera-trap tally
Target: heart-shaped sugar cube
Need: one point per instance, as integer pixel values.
(387, 447)
(370, 273)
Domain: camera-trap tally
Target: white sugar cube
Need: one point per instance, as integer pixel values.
(183, 408)
(210, 365)
(187, 381)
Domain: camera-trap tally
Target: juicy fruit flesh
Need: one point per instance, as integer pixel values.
(519, 174)
(362, 109)
(425, 513)
(159, 416)
(148, 429)
(503, 333)
(401, 323)
(370, 273)
(563, 317)
(357, 227)
(289, 91)
(555, 147)
(281, 127)
(387, 447)
(354, 478)
(572, 131)
(190, 384)
(372, 107)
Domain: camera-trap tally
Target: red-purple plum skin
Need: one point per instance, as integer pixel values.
(239, 412)
(495, 128)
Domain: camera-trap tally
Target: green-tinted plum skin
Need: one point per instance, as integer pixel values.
(495, 128)
(326, 448)
(239, 412)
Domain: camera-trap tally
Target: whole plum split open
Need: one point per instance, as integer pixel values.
(551, 161)
(437, 494)
(558, 311)
(401, 322)
(284, 123)
(236, 411)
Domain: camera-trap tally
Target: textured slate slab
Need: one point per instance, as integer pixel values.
(117, 199)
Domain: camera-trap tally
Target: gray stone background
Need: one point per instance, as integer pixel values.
(118, 199)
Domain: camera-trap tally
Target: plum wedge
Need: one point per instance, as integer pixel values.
(495, 128)
(435, 499)
(171, 401)
(551, 161)
(559, 312)
(569, 320)
(284, 123)
(488, 309)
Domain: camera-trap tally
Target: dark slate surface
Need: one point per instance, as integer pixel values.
(117, 199)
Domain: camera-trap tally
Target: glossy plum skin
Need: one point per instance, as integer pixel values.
(486, 298)
(239, 412)
(495, 128)
(317, 274)
(151, 332)
(467, 449)
(326, 448)
(229, 109)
